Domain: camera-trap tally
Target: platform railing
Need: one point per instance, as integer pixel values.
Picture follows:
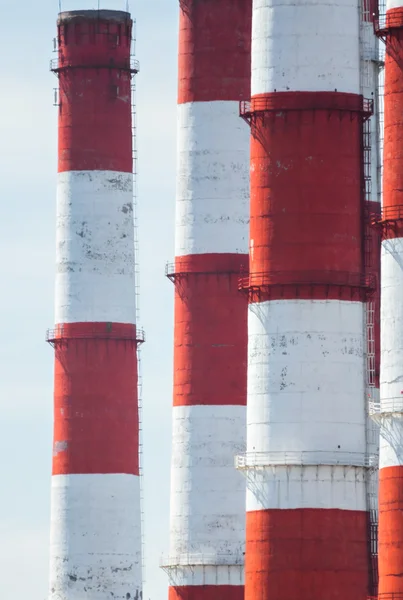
(305, 458)
(386, 21)
(328, 278)
(328, 102)
(132, 65)
(65, 333)
(192, 559)
(186, 267)
(391, 213)
(386, 407)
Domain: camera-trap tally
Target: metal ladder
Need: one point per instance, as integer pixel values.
(137, 300)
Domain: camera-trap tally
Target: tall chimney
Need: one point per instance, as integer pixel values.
(207, 494)
(306, 460)
(95, 508)
(370, 69)
(390, 30)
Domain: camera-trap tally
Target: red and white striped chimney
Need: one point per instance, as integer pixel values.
(306, 460)
(95, 508)
(370, 63)
(207, 494)
(390, 29)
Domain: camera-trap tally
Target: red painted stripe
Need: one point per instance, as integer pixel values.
(309, 101)
(390, 537)
(394, 18)
(306, 203)
(111, 331)
(210, 344)
(214, 50)
(95, 400)
(393, 123)
(95, 102)
(306, 554)
(212, 263)
(390, 531)
(207, 592)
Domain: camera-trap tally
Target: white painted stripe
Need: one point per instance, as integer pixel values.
(210, 575)
(207, 493)
(95, 548)
(306, 377)
(95, 247)
(393, 4)
(308, 46)
(391, 377)
(294, 487)
(212, 208)
(391, 444)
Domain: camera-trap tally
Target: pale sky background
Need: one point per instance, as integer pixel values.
(28, 142)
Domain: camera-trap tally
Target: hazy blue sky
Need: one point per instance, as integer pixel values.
(28, 138)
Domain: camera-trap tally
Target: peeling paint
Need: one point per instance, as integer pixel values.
(59, 447)
(314, 396)
(95, 537)
(95, 267)
(285, 57)
(207, 493)
(212, 212)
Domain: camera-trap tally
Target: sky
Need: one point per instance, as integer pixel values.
(28, 158)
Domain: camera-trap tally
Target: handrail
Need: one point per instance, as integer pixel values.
(203, 559)
(305, 458)
(391, 213)
(385, 21)
(182, 268)
(387, 407)
(132, 65)
(61, 334)
(272, 102)
(328, 278)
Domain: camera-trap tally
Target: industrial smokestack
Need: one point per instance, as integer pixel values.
(390, 30)
(306, 460)
(207, 494)
(370, 64)
(95, 511)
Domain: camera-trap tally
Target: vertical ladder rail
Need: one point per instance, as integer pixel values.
(369, 56)
(371, 350)
(137, 286)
